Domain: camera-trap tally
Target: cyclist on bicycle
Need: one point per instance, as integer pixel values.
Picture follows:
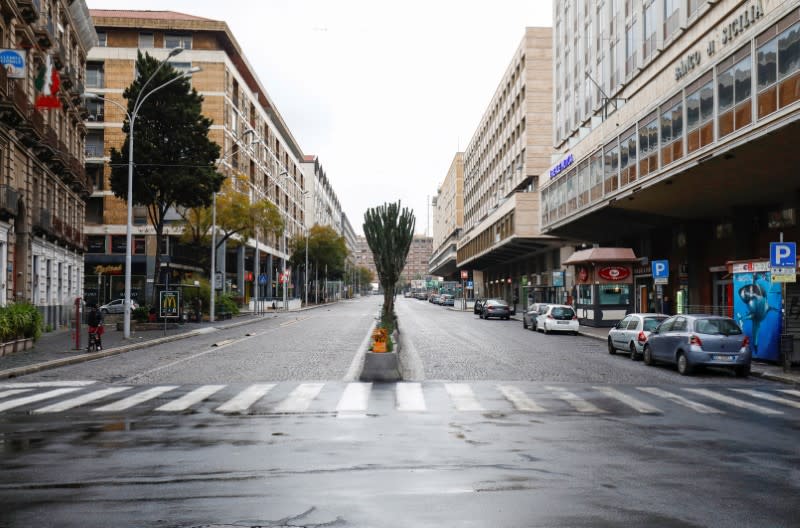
(95, 322)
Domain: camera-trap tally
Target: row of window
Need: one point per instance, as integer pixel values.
(685, 123)
(147, 40)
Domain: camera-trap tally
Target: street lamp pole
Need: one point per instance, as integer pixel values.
(305, 271)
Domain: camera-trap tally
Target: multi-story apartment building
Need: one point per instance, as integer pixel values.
(418, 259)
(676, 124)
(254, 139)
(323, 204)
(501, 243)
(42, 181)
(448, 219)
(364, 257)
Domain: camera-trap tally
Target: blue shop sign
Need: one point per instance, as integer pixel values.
(563, 164)
(14, 62)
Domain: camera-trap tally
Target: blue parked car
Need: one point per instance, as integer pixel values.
(690, 341)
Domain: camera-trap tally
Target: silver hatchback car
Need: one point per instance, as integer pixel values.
(630, 334)
(689, 341)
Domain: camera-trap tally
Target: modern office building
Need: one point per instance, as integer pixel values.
(448, 220)
(323, 205)
(417, 260)
(676, 126)
(43, 185)
(254, 139)
(501, 244)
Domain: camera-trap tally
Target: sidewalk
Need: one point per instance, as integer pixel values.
(57, 349)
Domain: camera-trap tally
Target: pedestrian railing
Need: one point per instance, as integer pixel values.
(706, 309)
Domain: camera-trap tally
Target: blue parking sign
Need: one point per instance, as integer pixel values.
(660, 269)
(783, 255)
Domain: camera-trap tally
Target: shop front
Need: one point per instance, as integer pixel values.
(604, 285)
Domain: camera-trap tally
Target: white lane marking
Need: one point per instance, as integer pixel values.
(769, 397)
(191, 398)
(10, 404)
(519, 399)
(355, 398)
(680, 400)
(410, 398)
(735, 402)
(630, 401)
(462, 397)
(577, 403)
(6, 394)
(791, 392)
(300, 398)
(242, 401)
(80, 400)
(136, 399)
(41, 384)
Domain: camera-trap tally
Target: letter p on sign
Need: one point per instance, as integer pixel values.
(783, 255)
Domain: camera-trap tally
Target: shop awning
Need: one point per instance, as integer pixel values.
(603, 254)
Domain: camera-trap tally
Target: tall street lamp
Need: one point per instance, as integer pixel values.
(137, 105)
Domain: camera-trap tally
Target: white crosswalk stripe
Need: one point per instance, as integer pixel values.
(300, 399)
(519, 399)
(770, 397)
(630, 401)
(46, 384)
(242, 401)
(680, 400)
(19, 402)
(735, 402)
(192, 398)
(80, 400)
(7, 393)
(136, 399)
(579, 404)
(355, 398)
(462, 397)
(410, 398)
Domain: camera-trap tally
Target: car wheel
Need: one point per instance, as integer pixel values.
(684, 367)
(634, 354)
(648, 356)
(104, 311)
(611, 349)
(743, 371)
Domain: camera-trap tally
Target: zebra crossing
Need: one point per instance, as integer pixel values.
(348, 399)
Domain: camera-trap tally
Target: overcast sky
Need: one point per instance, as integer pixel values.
(384, 92)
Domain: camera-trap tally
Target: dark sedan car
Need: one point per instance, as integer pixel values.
(689, 341)
(478, 306)
(495, 308)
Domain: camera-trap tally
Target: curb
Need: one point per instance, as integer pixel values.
(82, 358)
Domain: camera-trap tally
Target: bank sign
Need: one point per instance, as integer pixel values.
(13, 61)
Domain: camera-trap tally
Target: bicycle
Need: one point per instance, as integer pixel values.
(94, 339)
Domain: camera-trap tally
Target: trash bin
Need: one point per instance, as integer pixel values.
(787, 349)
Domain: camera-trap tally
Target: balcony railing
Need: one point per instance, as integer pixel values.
(29, 9)
(14, 107)
(45, 32)
(93, 151)
(43, 220)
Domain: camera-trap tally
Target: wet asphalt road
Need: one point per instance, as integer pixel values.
(519, 430)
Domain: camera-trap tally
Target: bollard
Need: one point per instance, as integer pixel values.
(77, 323)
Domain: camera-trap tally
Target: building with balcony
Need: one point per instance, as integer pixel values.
(448, 219)
(676, 125)
(323, 206)
(417, 260)
(501, 244)
(254, 139)
(43, 186)
(364, 258)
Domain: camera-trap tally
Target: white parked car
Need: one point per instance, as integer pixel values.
(117, 306)
(630, 334)
(558, 318)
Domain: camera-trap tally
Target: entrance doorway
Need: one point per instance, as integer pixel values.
(723, 295)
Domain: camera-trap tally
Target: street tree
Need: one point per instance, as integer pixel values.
(327, 249)
(174, 157)
(238, 217)
(364, 277)
(389, 232)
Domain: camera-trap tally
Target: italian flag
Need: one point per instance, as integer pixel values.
(47, 83)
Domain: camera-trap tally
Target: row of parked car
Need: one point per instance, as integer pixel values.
(687, 341)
